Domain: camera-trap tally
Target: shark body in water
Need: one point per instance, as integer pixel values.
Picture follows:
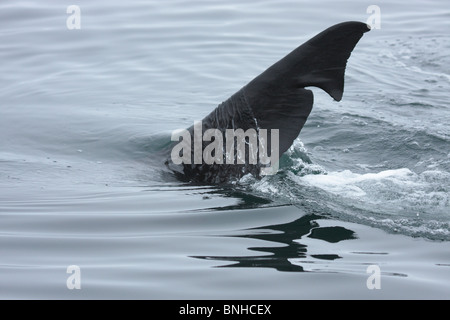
(267, 114)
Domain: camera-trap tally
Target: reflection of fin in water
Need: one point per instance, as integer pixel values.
(332, 234)
(245, 200)
(290, 234)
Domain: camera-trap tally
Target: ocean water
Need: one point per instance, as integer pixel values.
(84, 114)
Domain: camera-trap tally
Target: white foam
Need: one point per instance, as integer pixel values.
(397, 192)
(399, 200)
(349, 184)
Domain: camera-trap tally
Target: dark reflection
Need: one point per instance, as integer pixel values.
(332, 234)
(287, 235)
(244, 199)
(326, 256)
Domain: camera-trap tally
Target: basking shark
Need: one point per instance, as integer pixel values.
(267, 114)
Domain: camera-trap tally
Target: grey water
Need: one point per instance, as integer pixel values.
(84, 113)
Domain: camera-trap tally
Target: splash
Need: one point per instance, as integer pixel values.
(397, 200)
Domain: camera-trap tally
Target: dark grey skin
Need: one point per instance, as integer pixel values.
(277, 99)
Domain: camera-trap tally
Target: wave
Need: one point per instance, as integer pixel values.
(397, 200)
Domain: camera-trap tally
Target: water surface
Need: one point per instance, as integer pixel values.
(85, 112)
